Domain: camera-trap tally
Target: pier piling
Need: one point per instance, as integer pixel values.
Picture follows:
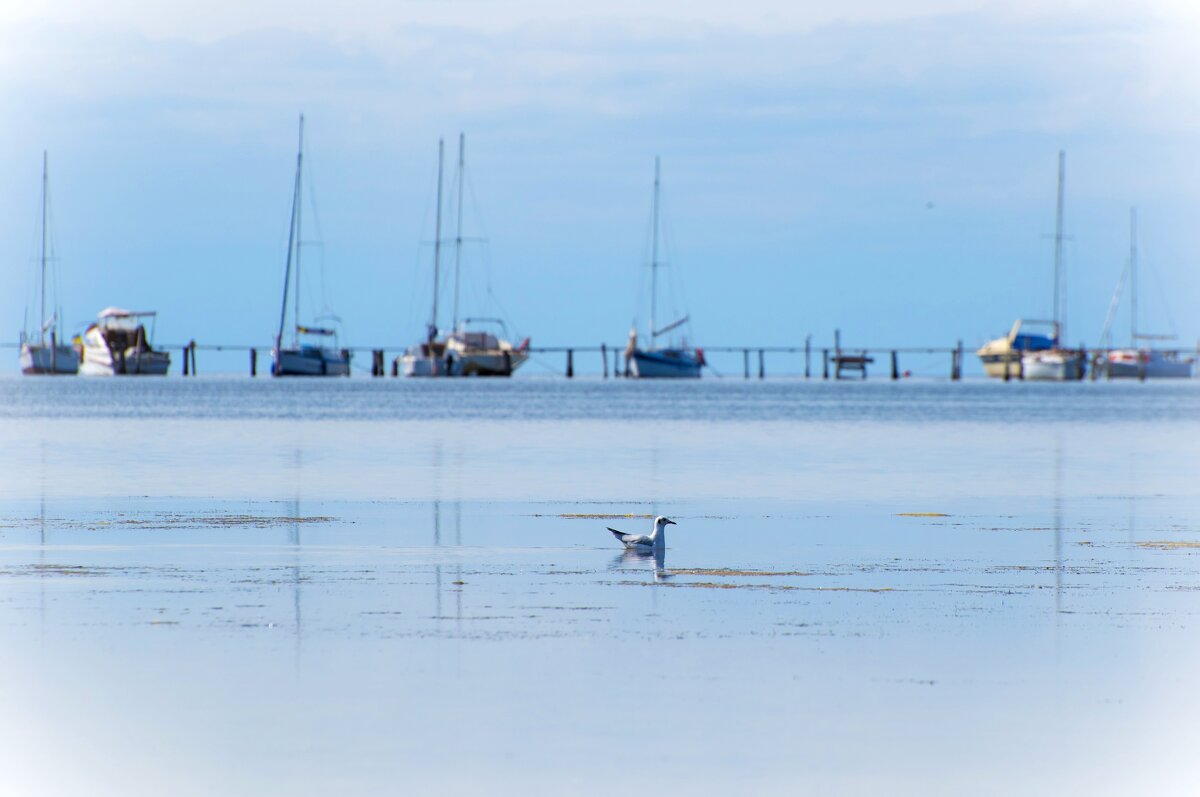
(570, 363)
(762, 370)
(825, 363)
(895, 365)
(807, 355)
(746, 363)
(604, 359)
(253, 362)
(185, 360)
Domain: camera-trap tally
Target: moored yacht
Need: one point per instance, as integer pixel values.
(1001, 357)
(465, 351)
(1039, 356)
(313, 350)
(1138, 362)
(675, 360)
(117, 345)
(45, 354)
(1146, 364)
(1054, 365)
(311, 354)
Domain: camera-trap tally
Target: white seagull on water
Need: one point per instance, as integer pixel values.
(644, 542)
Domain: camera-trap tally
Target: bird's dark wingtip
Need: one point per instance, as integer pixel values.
(617, 534)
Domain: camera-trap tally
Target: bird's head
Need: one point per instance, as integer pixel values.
(662, 522)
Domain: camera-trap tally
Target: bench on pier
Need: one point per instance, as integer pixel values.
(851, 362)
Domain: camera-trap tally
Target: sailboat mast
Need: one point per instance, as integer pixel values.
(462, 145)
(42, 317)
(654, 258)
(1133, 335)
(299, 206)
(291, 247)
(1060, 301)
(437, 242)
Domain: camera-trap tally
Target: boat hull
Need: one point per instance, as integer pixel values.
(486, 363)
(1146, 364)
(998, 365)
(664, 364)
(310, 362)
(98, 361)
(50, 359)
(501, 363)
(1053, 366)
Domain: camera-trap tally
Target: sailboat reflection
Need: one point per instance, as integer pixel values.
(1058, 527)
(654, 559)
(437, 568)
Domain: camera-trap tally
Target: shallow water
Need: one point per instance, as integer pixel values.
(265, 587)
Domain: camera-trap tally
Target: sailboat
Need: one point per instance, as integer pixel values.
(310, 352)
(464, 351)
(675, 360)
(1140, 362)
(1057, 364)
(1039, 355)
(42, 356)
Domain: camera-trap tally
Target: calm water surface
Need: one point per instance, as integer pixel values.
(237, 586)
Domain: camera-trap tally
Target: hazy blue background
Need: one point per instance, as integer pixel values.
(887, 171)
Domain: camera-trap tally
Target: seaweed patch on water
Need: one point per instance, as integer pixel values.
(722, 585)
(65, 570)
(595, 516)
(169, 521)
(730, 572)
(1169, 545)
(922, 514)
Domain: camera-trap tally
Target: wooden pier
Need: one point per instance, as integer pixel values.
(837, 362)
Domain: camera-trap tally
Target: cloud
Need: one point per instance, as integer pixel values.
(978, 72)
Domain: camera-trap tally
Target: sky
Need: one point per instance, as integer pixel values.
(881, 168)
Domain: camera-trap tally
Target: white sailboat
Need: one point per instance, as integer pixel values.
(1057, 364)
(1138, 362)
(117, 345)
(42, 356)
(313, 350)
(464, 351)
(1038, 355)
(675, 360)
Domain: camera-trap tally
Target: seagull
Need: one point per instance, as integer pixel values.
(645, 542)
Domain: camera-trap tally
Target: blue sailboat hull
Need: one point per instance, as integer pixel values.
(665, 364)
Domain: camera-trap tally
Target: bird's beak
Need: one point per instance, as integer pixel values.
(671, 523)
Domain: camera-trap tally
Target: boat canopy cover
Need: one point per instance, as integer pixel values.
(117, 312)
(477, 340)
(1029, 342)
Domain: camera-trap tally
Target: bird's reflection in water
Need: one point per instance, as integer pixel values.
(654, 559)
